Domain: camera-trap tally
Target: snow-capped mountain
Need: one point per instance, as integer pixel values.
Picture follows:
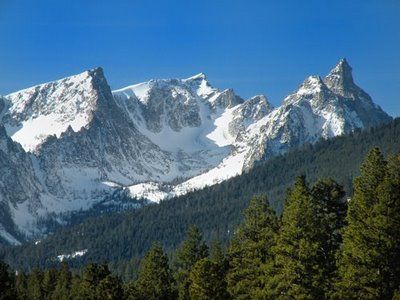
(72, 142)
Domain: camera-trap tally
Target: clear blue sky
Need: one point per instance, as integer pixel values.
(255, 47)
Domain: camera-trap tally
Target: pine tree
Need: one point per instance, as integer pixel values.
(110, 288)
(206, 281)
(387, 222)
(396, 295)
(250, 249)
(155, 280)
(218, 257)
(49, 283)
(63, 284)
(34, 286)
(298, 270)
(131, 291)
(90, 284)
(191, 250)
(21, 286)
(75, 290)
(331, 212)
(369, 265)
(7, 287)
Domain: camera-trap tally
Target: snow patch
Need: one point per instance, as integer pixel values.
(49, 109)
(221, 135)
(311, 85)
(140, 91)
(75, 254)
(150, 191)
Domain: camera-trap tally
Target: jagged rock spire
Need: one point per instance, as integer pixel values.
(340, 78)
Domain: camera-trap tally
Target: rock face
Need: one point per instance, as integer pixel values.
(48, 109)
(20, 189)
(68, 144)
(340, 81)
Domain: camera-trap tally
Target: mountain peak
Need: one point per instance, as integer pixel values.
(96, 73)
(258, 100)
(200, 76)
(96, 69)
(180, 134)
(310, 85)
(340, 78)
(48, 109)
(342, 68)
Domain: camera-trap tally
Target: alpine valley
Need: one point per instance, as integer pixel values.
(69, 145)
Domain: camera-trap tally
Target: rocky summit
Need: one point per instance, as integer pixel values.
(68, 145)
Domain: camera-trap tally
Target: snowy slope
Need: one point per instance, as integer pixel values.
(49, 109)
(71, 143)
(319, 108)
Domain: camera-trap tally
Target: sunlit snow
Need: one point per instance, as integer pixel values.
(75, 254)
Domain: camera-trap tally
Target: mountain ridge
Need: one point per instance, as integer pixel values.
(216, 210)
(161, 138)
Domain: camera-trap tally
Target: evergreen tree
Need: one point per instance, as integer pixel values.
(218, 257)
(155, 280)
(130, 268)
(91, 284)
(63, 284)
(298, 270)
(369, 265)
(387, 222)
(250, 249)
(191, 250)
(110, 287)
(34, 286)
(7, 287)
(75, 291)
(21, 286)
(331, 213)
(216, 251)
(216, 207)
(396, 295)
(131, 291)
(49, 283)
(206, 282)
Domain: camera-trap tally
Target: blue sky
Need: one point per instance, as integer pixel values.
(255, 47)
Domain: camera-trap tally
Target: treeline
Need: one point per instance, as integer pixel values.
(216, 210)
(324, 246)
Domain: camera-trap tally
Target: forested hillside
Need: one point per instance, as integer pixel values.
(321, 247)
(121, 237)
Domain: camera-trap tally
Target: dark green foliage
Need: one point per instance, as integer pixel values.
(34, 286)
(331, 213)
(251, 248)
(49, 283)
(396, 295)
(369, 265)
(7, 283)
(21, 286)
(98, 283)
(131, 291)
(75, 291)
(155, 279)
(206, 281)
(216, 210)
(190, 251)
(110, 288)
(315, 251)
(128, 270)
(218, 256)
(63, 284)
(298, 269)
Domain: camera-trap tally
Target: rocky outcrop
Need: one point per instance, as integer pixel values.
(68, 144)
